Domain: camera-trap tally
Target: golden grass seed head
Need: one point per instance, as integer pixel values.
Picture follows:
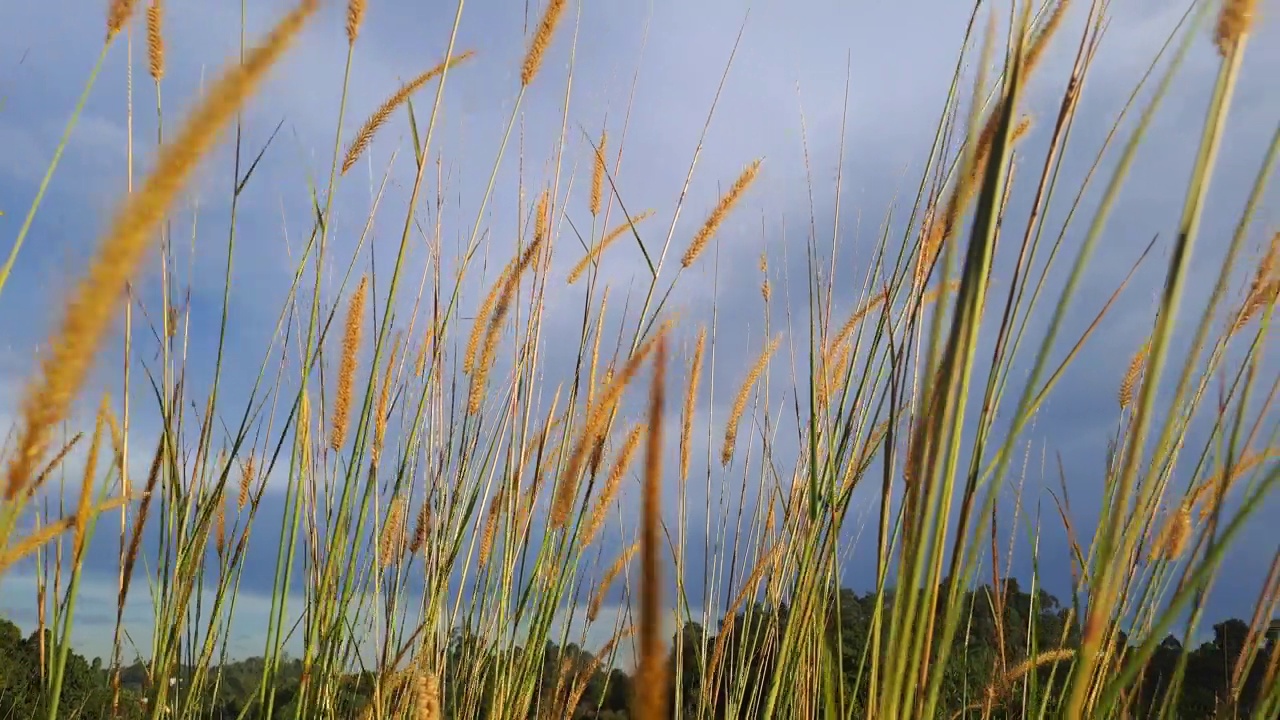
(594, 255)
(353, 330)
(119, 12)
(493, 334)
(1139, 361)
(718, 215)
(421, 528)
(380, 116)
(606, 580)
(690, 402)
(1234, 22)
(1174, 536)
(390, 542)
(740, 402)
(428, 696)
(155, 39)
(597, 175)
(246, 483)
(355, 18)
(541, 41)
(90, 307)
(593, 428)
(481, 322)
(496, 506)
(621, 463)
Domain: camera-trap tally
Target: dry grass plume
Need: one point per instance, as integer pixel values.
(690, 401)
(1235, 21)
(379, 118)
(740, 402)
(721, 211)
(593, 256)
(155, 40)
(352, 333)
(597, 175)
(119, 12)
(541, 41)
(355, 18)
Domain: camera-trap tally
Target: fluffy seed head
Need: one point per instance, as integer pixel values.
(597, 175)
(718, 215)
(594, 255)
(355, 16)
(541, 41)
(347, 370)
(690, 401)
(365, 136)
(1125, 395)
(1234, 22)
(740, 403)
(391, 532)
(611, 486)
(155, 40)
(118, 14)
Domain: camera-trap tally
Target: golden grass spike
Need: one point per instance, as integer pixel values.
(390, 542)
(155, 39)
(857, 317)
(606, 580)
(1235, 21)
(597, 417)
(384, 400)
(420, 529)
(720, 212)
(481, 322)
(91, 305)
(621, 463)
(86, 484)
(1175, 534)
(491, 528)
(118, 15)
(595, 348)
(489, 349)
(428, 696)
(597, 174)
(383, 113)
(246, 482)
(593, 256)
(541, 41)
(354, 328)
(1124, 395)
(542, 217)
(1265, 287)
(54, 463)
(12, 553)
(651, 700)
(740, 403)
(690, 401)
(355, 17)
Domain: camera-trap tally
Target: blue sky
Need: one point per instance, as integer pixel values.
(791, 65)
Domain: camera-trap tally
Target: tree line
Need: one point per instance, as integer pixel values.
(1011, 659)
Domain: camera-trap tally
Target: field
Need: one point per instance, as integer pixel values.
(542, 360)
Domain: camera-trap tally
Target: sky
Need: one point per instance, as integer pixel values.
(648, 71)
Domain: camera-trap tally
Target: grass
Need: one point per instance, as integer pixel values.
(449, 503)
